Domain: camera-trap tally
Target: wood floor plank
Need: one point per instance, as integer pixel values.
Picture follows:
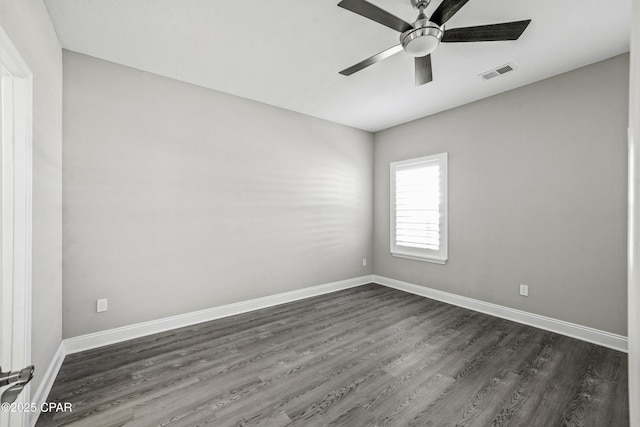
(529, 392)
(355, 416)
(480, 408)
(366, 356)
(404, 406)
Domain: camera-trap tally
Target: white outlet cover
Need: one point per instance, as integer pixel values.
(524, 290)
(101, 305)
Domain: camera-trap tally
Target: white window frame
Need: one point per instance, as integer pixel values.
(440, 256)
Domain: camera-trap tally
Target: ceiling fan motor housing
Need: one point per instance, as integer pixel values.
(422, 39)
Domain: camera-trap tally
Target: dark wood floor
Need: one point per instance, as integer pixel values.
(367, 356)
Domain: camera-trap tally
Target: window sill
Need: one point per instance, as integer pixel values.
(419, 258)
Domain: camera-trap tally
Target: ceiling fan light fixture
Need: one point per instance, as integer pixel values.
(421, 41)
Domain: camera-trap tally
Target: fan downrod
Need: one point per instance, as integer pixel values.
(420, 5)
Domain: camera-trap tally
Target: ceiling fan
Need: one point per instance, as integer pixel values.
(425, 34)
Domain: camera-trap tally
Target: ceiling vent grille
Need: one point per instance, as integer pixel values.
(498, 71)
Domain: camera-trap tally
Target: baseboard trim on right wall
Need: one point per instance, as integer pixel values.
(605, 339)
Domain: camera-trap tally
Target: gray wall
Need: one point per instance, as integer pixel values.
(537, 195)
(27, 24)
(178, 198)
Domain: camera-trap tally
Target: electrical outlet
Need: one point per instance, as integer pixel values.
(364, 262)
(101, 305)
(524, 290)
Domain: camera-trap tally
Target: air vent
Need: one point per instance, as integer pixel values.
(498, 71)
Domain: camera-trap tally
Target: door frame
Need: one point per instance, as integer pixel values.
(16, 145)
(634, 220)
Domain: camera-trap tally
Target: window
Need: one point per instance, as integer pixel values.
(419, 208)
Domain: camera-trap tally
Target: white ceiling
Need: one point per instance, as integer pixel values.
(288, 53)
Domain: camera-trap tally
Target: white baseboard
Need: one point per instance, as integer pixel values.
(112, 336)
(47, 382)
(605, 339)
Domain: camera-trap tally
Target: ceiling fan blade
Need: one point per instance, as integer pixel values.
(370, 61)
(486, 33)
(381, 16)
(423, 70)
(446, 10)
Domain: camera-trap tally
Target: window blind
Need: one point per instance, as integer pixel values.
(417, 205)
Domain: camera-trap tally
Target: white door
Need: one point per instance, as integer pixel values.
(15, 230)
